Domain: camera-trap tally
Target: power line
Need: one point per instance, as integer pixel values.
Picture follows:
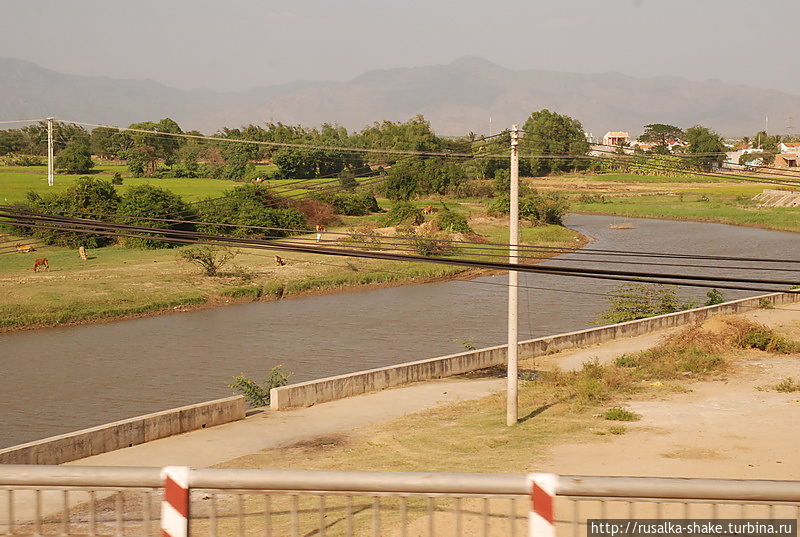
(106, 228)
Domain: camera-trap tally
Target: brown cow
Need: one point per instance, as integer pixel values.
(279, 261)
(41, 262)
(25, 248)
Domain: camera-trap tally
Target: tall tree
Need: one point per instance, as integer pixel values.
(706, 147)
(549, 133)
(659, 134)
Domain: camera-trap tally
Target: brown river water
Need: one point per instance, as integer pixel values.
(57, 380)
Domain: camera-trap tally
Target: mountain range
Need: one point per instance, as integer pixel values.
(456, 98)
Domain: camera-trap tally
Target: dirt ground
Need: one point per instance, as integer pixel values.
(738, 427)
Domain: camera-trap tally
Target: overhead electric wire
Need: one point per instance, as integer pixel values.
(470, 245)
(106, 228)
(279, 144)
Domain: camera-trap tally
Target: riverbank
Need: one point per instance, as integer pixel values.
(118, 283)
(695, 199)
(459, 425)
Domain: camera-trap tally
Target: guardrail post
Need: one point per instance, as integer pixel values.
(175, 505)
(541, 521)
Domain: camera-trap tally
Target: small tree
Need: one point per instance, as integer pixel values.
(75, 158)
(638, 301)
(210, 258)
(258, 394)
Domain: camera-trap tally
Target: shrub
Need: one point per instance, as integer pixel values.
(351, 203)
(548, 209)
(75, 158)
(153, 202)
(364, 236)
(249, 205)
(762, 338)
(315, 212)
(403, 212)
(452, 222)
(428, 242)
(210, 258)
(87, 197)
(257, 395)
(617, 429)
(714, 297)
(638, 301)
(620, 414)
(787, 385)
(117, 179)
(23, 160)
(765, 303)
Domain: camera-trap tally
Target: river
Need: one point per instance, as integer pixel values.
(56, 380)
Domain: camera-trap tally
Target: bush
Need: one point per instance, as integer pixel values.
(152, 202)
(351, 203)
(75, 158)
(787, 385)
(23, 160)
(428, 242)
(452, 222)
(638, 301)
(403, 212)
(315, 212)
(762, 338)
(548, 209)
(714, 298)
(117, 179)
(249, 205)
(257, 395)
(620, 414)
(87, 197)
(210, 258)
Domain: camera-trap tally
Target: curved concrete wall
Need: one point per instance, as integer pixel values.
(125, 433)
(331, 388)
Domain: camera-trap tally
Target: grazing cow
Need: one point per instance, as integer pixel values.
(41, 262)
(82, 253)
(320, 230)
(427, 210)
(25, 248)
(279, 261)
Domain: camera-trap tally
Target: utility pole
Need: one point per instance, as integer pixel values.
(50, 164)
(513, 284)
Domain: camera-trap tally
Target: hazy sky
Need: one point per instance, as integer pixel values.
(237, 44)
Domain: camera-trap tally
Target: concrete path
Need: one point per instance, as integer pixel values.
(268, 429)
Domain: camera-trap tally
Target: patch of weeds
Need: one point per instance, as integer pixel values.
(765, 303)
(627, 360)
(787, 385)
(762, 338)
(617, 429)
(620, 414)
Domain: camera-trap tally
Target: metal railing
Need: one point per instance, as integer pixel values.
(120, 502)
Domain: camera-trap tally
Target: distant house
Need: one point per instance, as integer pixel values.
(787, 160)
(790, 147)
(616, 138)
(733, 157)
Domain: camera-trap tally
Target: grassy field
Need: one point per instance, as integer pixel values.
(723, 201)
(16, 181)
(119, 282)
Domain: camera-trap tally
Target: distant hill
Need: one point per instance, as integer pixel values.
(457, 98)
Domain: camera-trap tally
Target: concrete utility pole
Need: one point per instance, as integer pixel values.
(50, 164)
(513, 283)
